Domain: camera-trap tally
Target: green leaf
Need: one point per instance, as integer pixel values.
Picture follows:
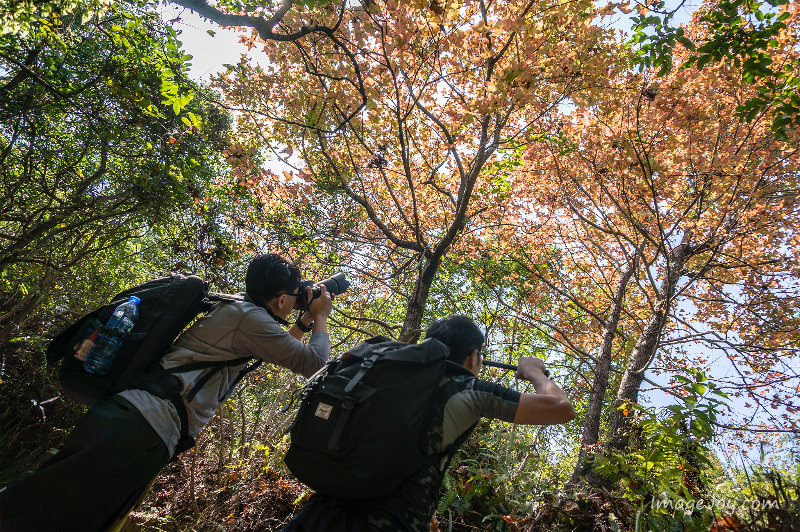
(689, 45)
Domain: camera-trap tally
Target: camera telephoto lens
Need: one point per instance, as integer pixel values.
(337, 284)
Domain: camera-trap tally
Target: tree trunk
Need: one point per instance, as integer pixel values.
(16, 317)
(21, 315)
(412, 325)
(645, 349)
(602, 370)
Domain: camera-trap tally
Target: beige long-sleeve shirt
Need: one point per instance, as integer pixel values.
(229, 331)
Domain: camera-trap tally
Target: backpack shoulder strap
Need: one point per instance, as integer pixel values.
(369, 361)
(349, 400)
(227, 298)
(215, 365)
(170, 390)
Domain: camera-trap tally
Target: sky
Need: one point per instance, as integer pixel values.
(210, 52)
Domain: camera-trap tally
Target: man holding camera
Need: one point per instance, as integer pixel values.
(122, 442)
(460, 401)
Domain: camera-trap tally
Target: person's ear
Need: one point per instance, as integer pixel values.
(281, 301)
(471, 363)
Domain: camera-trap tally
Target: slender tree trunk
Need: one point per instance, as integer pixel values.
(602, 371)
(192, 495)
(19, 315)
(22, 314)
(23, 73)
(645, 349)
(220, 437)
(244, 450)
(412, 325)
(16, 317)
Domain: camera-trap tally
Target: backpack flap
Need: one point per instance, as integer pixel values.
(425, 352)
(326, 413)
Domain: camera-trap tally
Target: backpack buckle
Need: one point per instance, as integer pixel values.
(349, 402)
(365, 366)
(369, 362)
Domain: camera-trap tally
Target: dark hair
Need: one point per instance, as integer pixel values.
(459, 333)
(269, 276)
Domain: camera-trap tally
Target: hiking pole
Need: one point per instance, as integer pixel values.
(509, 367)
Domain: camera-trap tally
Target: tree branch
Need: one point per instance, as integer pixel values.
(264, 27)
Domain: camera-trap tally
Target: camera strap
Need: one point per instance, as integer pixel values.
(257, 302)
(275, 316)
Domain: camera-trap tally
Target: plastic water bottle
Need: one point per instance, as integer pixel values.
(107, 346)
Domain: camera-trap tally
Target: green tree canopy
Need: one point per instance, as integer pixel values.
(101, 140)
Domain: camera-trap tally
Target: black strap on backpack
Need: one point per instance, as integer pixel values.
(165, 385)
(350, 400)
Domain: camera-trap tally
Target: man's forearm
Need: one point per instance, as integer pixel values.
(321, 325)
(548, 406)
(543, 385)
(306, 318)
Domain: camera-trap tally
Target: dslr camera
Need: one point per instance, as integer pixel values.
(336, 285)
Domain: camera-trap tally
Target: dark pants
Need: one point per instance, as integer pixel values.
(316, 516)
(332, 515)
(95, 479)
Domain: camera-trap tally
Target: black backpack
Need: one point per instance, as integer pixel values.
(357, 434)
(167, 306)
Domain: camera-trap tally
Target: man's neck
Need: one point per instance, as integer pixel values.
(275, 316)
(259, 303)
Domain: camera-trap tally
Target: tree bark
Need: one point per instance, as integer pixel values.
(412, 325)
(602, 371)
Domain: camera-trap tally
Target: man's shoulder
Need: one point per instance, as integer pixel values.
(468, 389)
(496, 389)
(239, 310)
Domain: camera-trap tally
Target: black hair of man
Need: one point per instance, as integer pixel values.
(269, 276)
(459, 333)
